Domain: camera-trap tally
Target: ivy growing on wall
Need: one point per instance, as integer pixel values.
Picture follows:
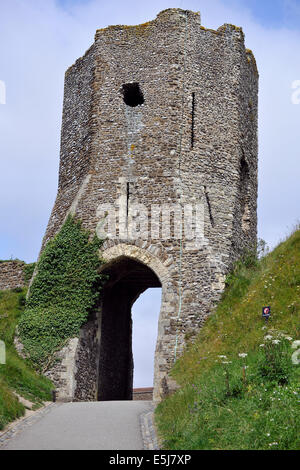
(64, 290)
(28, 271)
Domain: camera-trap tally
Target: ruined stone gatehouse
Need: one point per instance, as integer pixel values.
(161, 116)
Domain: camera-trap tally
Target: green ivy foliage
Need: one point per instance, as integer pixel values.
(28, 271)
(64, 291)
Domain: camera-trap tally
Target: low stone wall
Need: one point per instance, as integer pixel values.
(142, 393)
(11, 274)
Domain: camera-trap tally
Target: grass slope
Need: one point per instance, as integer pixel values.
(231, 402)
(17, 375)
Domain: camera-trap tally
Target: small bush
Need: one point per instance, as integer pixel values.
(274, 361)
(17, 290)
(22, 299)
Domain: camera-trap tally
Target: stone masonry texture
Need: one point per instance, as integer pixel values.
(11, 274)
(159, 113)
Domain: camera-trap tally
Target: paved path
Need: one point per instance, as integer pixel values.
(108, 425)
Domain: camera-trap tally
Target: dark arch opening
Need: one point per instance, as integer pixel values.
(127, 280)
(132, 94)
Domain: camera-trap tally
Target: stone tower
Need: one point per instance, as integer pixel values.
(159, 119)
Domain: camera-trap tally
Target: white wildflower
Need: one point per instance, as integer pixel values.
(243, 354)
(276, 341)
(268, 337)
(296, 344)
(261, 345)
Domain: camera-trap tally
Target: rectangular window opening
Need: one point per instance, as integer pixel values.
(127, 200)
(193, 121)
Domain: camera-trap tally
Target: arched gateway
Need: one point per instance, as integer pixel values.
(159, 157)
(108, 372)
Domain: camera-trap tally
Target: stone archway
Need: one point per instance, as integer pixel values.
(128, 278)
(152, 258)
(103, 362)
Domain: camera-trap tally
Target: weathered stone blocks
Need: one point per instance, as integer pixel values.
(12, 274)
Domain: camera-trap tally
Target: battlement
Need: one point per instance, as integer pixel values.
(170, 15)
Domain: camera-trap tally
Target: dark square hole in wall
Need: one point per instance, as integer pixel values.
(132, 94)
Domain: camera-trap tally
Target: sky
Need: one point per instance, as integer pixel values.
(40, 39)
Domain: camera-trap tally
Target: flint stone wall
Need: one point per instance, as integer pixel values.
(142, 393)
(12, 274)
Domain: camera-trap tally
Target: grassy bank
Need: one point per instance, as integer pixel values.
(16, 375)
(239, 386)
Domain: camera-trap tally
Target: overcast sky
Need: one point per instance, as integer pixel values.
(40, 39)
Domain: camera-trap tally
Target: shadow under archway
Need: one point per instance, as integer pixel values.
(128, 279)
